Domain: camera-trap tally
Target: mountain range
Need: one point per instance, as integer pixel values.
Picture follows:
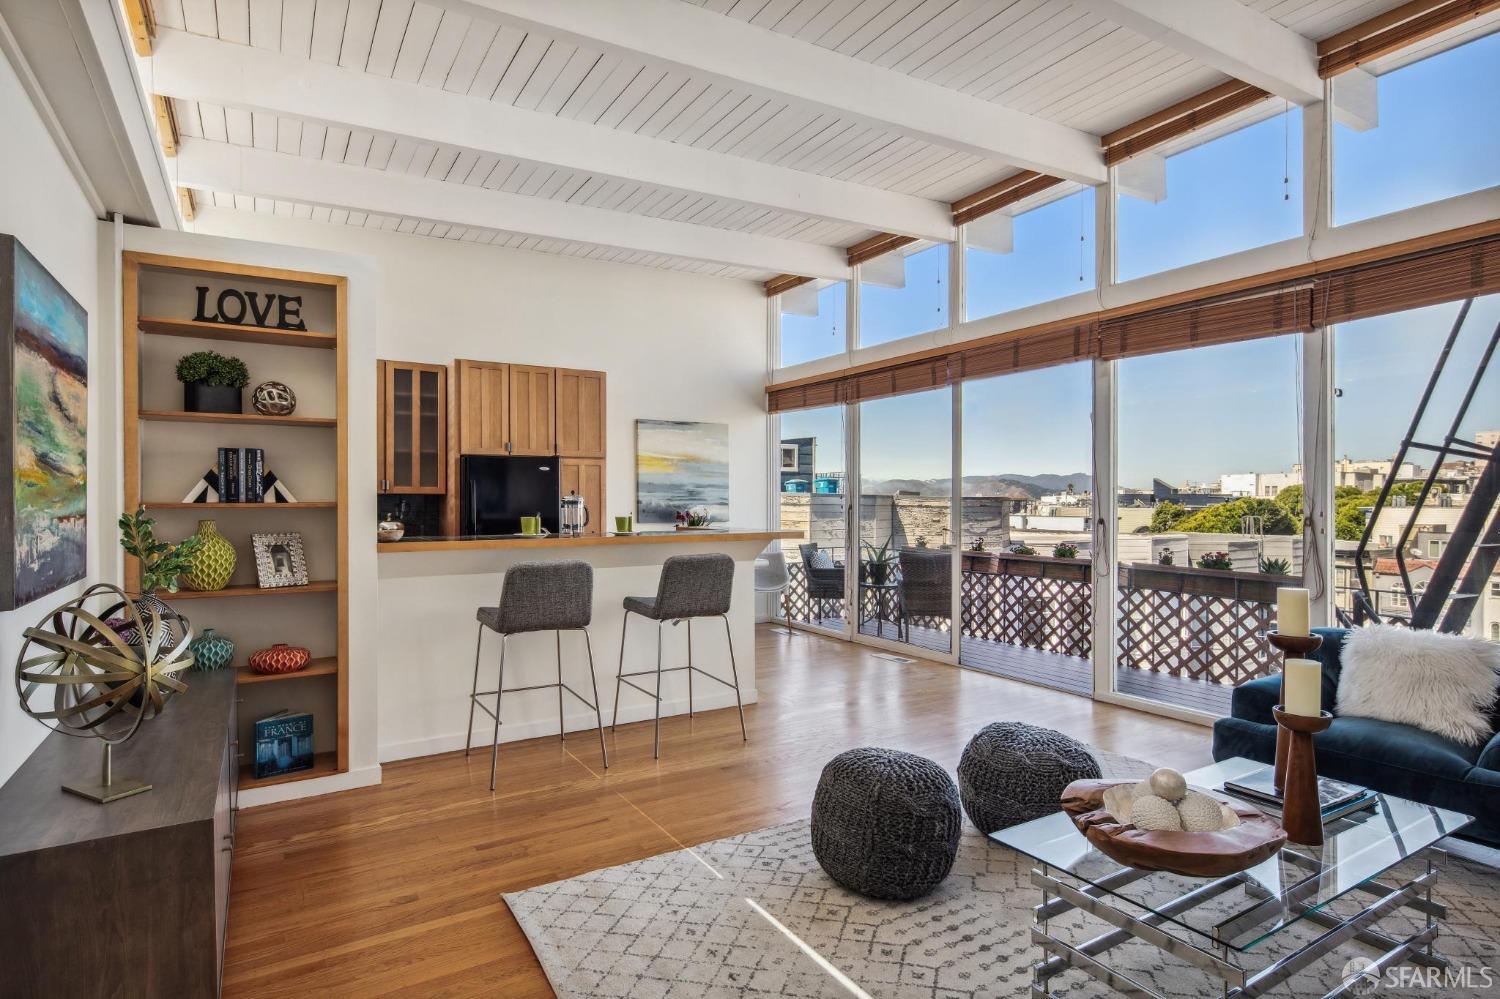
(1014, 485)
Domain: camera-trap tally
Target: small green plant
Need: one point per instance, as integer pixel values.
(1022, 549)
(879, 556)
(1064, 550)
(161, 563)
(1166, 557)
(698, 516)
(1275, 566)
(1216, 560)
(212, 368)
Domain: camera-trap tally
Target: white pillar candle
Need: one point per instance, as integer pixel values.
(1292, 610)
(1302, 687)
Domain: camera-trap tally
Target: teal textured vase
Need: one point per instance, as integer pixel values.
(211, 651)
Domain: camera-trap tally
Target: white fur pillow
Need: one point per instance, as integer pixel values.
(1444, 684)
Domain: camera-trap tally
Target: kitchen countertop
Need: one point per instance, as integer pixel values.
(501, 541)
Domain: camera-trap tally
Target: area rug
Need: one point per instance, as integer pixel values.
(755, 916)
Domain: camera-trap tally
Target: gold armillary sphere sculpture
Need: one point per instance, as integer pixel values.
(107, 672)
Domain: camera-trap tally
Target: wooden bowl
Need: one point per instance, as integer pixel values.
(1195, 854)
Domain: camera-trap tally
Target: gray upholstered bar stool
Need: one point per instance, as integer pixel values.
(538, 596)
(691, 586)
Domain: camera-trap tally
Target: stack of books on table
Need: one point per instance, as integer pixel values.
(1337, 798)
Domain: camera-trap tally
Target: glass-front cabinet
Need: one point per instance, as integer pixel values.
(413, 428)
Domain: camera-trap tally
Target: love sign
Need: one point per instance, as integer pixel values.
(249, 308)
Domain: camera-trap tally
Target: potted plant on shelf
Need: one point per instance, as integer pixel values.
(161, 566)
(212, 382)
(876, 568)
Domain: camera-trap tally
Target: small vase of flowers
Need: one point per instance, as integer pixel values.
(693, 519)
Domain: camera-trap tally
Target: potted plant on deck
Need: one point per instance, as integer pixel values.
(876, 567)
(212, 382)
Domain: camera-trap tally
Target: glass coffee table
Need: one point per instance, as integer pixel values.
(1214, 924)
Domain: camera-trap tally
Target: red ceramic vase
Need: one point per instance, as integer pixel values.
(280, 658)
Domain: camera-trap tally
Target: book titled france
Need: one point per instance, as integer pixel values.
(283, 744)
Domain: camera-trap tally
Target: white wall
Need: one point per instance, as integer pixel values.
(42, 206)
(674, 346)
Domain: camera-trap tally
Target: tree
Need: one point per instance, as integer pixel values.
(1226, 518)
(1166, 516)
(1290, 500)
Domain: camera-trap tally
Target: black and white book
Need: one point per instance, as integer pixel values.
(1259, 786)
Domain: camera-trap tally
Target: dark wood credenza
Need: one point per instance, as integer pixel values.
(129, 898)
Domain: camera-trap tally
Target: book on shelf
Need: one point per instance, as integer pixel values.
(283, 743)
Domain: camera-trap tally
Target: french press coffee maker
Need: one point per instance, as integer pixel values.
(575, 516)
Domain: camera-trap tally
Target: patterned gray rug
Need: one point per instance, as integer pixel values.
(755, 916)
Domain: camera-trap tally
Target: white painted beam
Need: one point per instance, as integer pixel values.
(218, 166)
(713, 47)
(1228, 36)
(194, 67)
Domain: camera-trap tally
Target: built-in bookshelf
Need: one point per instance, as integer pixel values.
(166, 451)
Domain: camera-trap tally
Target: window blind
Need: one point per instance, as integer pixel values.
(1395, 29)
(1248, 316)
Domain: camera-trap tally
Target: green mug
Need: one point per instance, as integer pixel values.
(531, 526)
(625, 525)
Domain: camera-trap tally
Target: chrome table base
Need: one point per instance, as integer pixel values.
(1235, 982)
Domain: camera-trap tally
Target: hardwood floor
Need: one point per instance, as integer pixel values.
(395, 890)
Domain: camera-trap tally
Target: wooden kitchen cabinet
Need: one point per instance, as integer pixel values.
(412, 427)
(533, 410)
(483, 407)
(580, 413)
(585, 476)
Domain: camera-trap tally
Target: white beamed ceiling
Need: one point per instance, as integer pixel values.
(1050, 59)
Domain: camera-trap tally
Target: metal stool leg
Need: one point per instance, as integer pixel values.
(690, 666)
(598, 715)
(786, 613)
(473, 691)
(656, 744)
(499, 696)
(562, 729)
(734, 672)
(624, 624)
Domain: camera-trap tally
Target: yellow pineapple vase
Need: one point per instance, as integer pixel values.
(214, 563)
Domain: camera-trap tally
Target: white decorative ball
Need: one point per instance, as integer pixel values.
(1168, 784)
(1200, 813)
(1155, 814)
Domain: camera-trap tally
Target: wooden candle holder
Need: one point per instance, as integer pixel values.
(1301, 809)
(1292, 647)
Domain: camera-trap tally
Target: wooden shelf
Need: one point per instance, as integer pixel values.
(324, 765)
(241, 419)
(251, 590)
(221, 507)
(237, 334)
(324, 666)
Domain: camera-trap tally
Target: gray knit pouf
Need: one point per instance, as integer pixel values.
(1012, 772)
(886, 823)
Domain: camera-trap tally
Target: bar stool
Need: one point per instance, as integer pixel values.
(691, 586)
(537, 596)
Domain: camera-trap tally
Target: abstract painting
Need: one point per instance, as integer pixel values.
(680, 465)
(44, 403)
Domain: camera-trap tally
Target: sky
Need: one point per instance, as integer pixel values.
(1193, 415)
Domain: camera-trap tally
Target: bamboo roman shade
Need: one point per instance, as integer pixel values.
(1395, 29)
(881, 243)
(1016, 187)
(784, 282)
(1432, 270)
(1179, 119)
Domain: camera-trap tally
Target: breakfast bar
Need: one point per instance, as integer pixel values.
(430, 588)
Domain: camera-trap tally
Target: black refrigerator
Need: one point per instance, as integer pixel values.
(499, 491)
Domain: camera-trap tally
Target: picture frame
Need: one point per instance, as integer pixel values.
(279, 560)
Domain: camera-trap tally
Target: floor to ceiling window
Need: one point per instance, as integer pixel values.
(1042, 252)
(903, 293)
(1381, 368)
(1209, 516)
(813, 321)
(907, 541)
(813, 501)
(1415, 143)
(1212, 197)
(1027, 515)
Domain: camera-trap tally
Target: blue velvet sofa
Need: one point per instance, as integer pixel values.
(1397, 759)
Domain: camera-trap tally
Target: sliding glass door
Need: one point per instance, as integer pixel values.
(903, 591)
(813, 501)
(1027, 534)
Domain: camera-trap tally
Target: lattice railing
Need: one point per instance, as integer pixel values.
(1201, 624)
(804, 609)
(1030, 601)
